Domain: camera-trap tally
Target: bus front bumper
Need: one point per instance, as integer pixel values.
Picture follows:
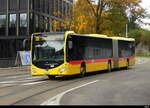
(62, 70)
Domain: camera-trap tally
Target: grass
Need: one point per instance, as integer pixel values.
(143, 55)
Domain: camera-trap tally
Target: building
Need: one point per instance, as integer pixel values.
(20, 18)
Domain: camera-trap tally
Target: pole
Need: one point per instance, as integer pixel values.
(126, 30)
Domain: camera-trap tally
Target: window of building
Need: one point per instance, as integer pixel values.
(42, 23)
(56, 8)
(12, 24)
(23, 4)
(23, 24)
(51, 6)
(2, 25)
(36, 23)
(12, 5)
(46, 24)
(3, 5)
(46, 6)
(36, 5)
(31, 4)
(61, 7)
(68, 9)
(31, 24)
(64, 8)
(41, 5)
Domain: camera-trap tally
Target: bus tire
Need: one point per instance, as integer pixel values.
(82, 70)
(51, 77)
(109, 69)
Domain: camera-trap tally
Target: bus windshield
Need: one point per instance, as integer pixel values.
(48, 48)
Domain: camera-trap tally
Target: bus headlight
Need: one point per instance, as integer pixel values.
(63, 69)
(33, 70)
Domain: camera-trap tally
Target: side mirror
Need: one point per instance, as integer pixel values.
(70, 44)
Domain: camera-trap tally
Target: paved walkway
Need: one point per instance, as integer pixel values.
(15, 69)
(142, 60)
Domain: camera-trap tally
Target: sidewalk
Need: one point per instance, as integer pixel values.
(142, 60)
(16, 69)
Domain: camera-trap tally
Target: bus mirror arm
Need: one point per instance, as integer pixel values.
(70, 44)
(24, 43)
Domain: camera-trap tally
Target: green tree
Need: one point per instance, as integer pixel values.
(141, 36)
(117, 14)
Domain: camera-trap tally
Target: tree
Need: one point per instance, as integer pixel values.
(106, 17)
(82, 18)
(136, 14)
(118, 10)
(97, 12)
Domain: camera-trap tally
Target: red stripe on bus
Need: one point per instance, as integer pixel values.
(125, 58)
(76, 62)
(90, 61)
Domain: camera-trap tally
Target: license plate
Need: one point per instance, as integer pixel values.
(47, 73)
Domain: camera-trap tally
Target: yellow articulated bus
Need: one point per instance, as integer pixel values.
(68, 53)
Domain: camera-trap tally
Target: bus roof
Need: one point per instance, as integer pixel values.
(87, 35)
(94, 35)
(98, 35)
(123, 38)
(106, 37)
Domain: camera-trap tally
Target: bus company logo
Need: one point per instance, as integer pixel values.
(51, 65)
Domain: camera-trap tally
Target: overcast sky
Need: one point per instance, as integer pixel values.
(146, 4)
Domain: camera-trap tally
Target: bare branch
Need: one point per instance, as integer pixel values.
(88, 1)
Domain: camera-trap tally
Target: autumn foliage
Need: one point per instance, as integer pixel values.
(105, 17)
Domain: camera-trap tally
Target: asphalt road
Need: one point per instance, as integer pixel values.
(120, 87)
(131, 87)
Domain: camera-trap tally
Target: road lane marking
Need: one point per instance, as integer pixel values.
(16, 81)
(17, 76)
(24, 84)
(25, 81)
(19, 82)
(7, 85)
(32, 83)
(36, 77)
(24, 77)
(56, 99)
(29, 79)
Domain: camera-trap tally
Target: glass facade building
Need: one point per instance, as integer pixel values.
(20, 18)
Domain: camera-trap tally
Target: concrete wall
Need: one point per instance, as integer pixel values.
(142, 49)
(5, 63)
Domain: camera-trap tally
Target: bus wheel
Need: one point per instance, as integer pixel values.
(82, 71)
(109, 67)
(51, 77)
